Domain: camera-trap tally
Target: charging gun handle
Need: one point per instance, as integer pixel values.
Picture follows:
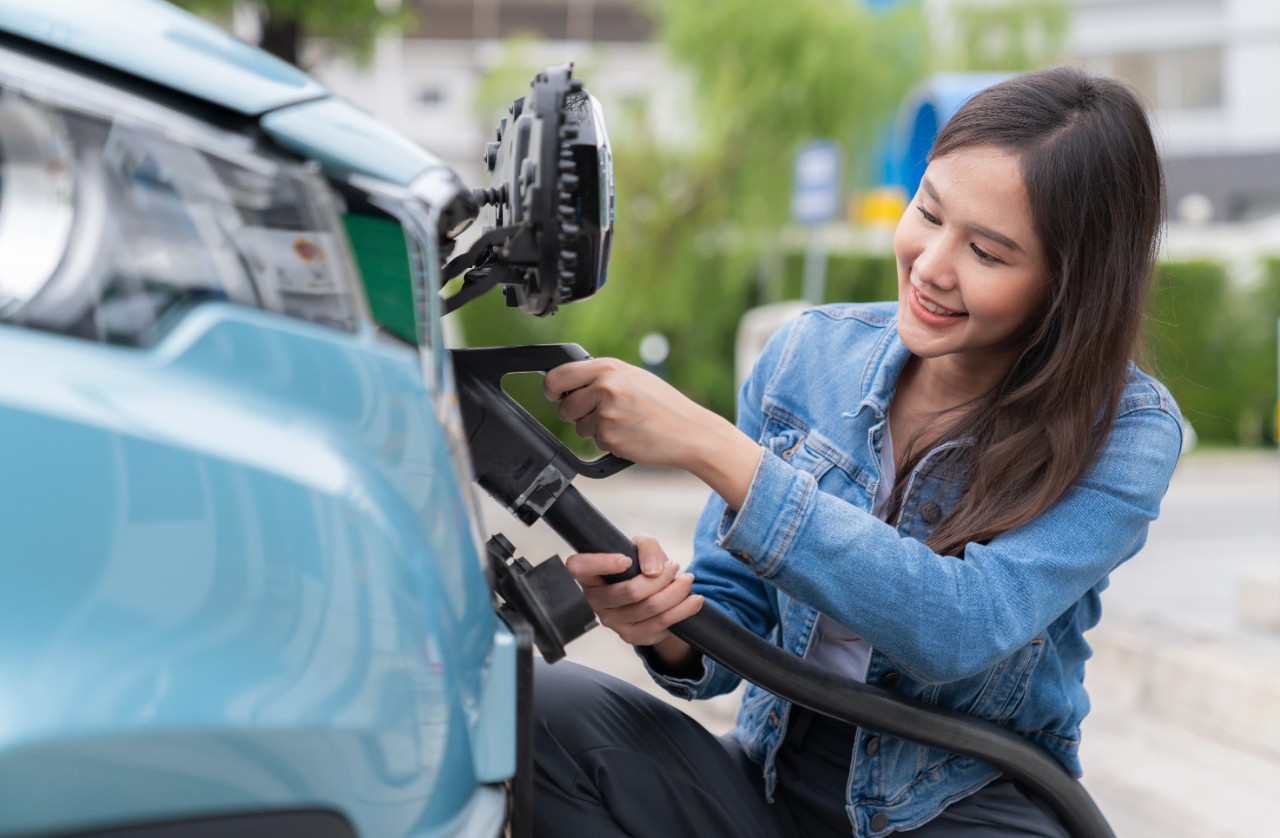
(515, 459)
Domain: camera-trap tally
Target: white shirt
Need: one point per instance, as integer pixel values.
(834, 647)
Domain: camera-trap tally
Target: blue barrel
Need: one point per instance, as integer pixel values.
(924, 111)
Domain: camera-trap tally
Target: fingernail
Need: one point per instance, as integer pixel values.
(649, 566)
(623, 562)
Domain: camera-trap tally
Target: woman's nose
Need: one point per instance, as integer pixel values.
(935, 264)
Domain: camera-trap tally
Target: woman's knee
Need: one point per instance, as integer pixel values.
(571, 701)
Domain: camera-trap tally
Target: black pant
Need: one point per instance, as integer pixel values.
(612, 760)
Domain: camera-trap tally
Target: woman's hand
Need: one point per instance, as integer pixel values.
(641, 609)
(629, 411)
(634, 414)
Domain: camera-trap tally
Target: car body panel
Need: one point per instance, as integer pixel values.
(239, 575)
(160, 43)
(346, 141)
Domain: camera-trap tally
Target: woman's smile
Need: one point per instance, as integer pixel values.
(932, 313)
(972, 276)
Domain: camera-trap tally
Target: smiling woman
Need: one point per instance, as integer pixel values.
(1080, 197)
(969, 290)
(927, 496)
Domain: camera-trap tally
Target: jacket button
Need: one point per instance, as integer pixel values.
(931, 513)
(879, 821)
(890, 679)
(873, 745)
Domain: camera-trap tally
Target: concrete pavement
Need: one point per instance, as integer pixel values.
(1184, 737)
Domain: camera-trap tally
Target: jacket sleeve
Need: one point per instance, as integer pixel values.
(939, 617)
(725, 581)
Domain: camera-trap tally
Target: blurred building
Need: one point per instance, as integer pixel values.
(431, 85)
(1210, 72)
(1208, 69)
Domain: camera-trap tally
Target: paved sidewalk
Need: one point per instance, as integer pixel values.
(1184, 737)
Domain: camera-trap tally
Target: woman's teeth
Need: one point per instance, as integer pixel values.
(937, 309)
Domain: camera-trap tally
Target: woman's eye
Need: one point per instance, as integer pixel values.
(928, 216)
(985, 256)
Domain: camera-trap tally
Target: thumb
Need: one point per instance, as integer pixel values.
(651, 555)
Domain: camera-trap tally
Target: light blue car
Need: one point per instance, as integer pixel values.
(242, 591)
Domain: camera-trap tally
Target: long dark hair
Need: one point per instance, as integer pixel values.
(1096, 190)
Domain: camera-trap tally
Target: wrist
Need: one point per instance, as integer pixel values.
(725, 459)
(675, 658)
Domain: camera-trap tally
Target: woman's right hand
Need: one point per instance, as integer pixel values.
(641, 609)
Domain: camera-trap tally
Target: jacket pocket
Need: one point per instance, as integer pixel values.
(1007, 684)
(791, 445)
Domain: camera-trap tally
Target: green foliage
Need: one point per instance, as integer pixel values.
(509, 77)
(1009, 36)
(1186, 319)
(695, 222)
(349, 25)
(1256, 347)
(1214, 346)
(858, 278)
(770, 76)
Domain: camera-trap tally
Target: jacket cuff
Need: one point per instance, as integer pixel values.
(777, 506)
(688, 688)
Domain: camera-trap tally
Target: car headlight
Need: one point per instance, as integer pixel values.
(117, 214)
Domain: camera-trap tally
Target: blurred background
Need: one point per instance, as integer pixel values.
(712, 107)
(764, 150)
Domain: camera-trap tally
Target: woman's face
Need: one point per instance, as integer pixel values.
(972, 277)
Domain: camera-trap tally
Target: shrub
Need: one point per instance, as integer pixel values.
(1214, 346)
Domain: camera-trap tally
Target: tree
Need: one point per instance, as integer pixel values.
(1009, 35)
(695, 222)
(350, 25)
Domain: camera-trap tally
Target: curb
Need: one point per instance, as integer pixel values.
(1226, 687)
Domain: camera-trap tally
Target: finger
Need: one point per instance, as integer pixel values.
(654, 630)
(587, 427)
(652, 557)
(588, 568)
(677, 590)
(578, 404)
(569, 377)
(633, 590)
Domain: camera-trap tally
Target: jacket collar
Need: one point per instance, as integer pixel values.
(880, 377)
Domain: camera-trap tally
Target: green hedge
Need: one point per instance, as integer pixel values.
(1213, 344)
(859, 279)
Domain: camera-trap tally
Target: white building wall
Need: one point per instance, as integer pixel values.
(429, 89)
(1244, 34)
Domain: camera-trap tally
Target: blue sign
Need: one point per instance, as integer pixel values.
(815, 195)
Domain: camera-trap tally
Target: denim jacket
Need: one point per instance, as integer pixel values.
(998, 634)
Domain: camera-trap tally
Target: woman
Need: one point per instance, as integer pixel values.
(928, 497)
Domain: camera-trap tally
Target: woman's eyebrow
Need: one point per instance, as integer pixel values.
(998, 238)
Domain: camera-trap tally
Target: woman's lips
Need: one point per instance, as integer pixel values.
(931, 318)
